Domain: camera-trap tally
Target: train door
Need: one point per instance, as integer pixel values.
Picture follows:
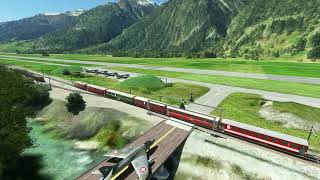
(302, 150)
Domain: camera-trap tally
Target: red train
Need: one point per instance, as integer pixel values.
(250, 133)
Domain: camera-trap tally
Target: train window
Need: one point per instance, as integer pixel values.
(274, 140)
(284, 142)
(266, 138)
(293, 145)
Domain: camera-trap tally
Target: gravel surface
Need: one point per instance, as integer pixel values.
(289, 120)
(254, 160)
(96, 101)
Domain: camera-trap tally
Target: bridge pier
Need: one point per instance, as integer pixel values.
(169, 169)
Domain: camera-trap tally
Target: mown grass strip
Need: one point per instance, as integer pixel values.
(311, 90)
(279, 66)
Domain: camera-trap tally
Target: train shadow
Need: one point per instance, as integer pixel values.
(259, 158)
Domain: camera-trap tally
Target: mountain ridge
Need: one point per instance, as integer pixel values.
(232, 28)
(95, 26)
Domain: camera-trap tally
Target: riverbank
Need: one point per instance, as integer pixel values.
(68, 145)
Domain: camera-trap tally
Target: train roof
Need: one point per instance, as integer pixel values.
(157, 102)
(79, 82)
(141, 98)
(120, 93)
(193, 113)
(267, 132)
(98, 87)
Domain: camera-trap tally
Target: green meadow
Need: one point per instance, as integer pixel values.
(146, 86)
(288, 66)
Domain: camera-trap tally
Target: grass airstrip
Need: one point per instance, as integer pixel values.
(302, 89)
(288, 66)
(143, 86)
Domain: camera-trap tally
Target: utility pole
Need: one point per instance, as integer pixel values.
(310, 133)
(42, 71)
(191, 98)
(50, 83)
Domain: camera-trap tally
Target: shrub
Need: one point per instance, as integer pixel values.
(75, 104)
(315, 40)
(314, 53)
(301, 44)
(66, 72)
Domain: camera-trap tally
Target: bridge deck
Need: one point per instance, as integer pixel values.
(168, 135)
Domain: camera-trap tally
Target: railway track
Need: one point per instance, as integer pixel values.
(308, 157)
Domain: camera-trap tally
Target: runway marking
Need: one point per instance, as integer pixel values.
(164, 136)
(152, 146)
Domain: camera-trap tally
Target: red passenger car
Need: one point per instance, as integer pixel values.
(80, 85)
(96, 90)
(140, 102)
(157, 107)
(266, 137)
(192, 117)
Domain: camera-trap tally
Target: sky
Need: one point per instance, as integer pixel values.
(17, 9)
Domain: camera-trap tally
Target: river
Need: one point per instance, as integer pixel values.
(60, 160)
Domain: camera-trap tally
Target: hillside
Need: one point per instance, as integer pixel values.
(98, 25)
(179, 25)
(232, 28)
(274, 27)
(34, 27)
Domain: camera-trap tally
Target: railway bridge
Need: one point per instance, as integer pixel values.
(170, 136)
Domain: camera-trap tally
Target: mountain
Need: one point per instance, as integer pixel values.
(179, 25)
(234, 28)
(274, 27)
(34, 27)
(96, 26)
(228, 27)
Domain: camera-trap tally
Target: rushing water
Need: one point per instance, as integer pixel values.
(60, 159)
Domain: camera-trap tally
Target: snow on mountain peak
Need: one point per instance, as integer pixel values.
(77, 12)
(52, 14)
(145, 2)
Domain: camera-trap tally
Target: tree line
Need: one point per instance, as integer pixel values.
(159, 54)
(20, 98)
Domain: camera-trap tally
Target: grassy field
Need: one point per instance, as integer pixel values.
(176, 90)
(146, 81)
(301, 89)
(266, 85)
(282, 66)
(245, 108)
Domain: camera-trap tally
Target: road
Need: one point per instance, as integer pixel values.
(218, 93)
(185, 70)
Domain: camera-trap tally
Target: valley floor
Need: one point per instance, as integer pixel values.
(206, 157)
